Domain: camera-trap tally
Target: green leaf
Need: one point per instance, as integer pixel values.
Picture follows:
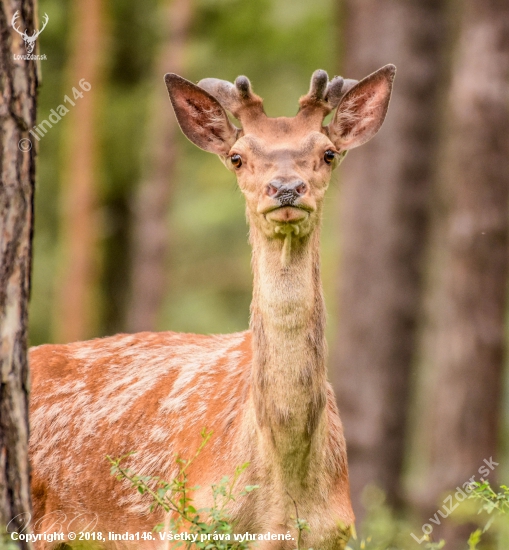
(474, 539)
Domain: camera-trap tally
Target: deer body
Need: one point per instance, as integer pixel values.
(264, 392)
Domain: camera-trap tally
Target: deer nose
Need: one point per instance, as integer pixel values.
(286, 193)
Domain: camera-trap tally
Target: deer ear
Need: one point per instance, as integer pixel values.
(200, 116)
(362, 110)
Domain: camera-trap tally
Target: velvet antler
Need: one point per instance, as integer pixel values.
(237, 98)
(324, 96)
(240, 100)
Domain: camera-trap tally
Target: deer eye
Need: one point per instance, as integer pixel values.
(329, 156)
(236, 160)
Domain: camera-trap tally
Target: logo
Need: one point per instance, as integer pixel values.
(27, 39)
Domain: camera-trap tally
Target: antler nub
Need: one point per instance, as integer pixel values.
(244, 104)
(237, 98)
(319, 82)
(324, 96)
(335, 91)
(244, 87)
(315, 99)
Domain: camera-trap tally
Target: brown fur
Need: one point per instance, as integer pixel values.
(264, 392)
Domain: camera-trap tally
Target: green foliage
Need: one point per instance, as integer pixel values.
(6, 543)
(301, 525)
(474, 539)
(490, 500)
(212, 525)
(493, 504)
(213, 529)
(384, 530)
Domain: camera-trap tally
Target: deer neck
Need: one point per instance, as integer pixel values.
(289, 349)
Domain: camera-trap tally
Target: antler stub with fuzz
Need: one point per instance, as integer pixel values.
(239, 98)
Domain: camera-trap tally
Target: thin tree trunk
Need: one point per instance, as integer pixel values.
(150, 234)
(384, 219)
(464, 341)
(75, 309)
(18, 86)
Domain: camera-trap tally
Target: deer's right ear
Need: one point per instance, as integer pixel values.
(200, 116)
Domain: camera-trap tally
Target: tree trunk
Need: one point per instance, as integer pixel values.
(384, 219)
(464, 343)
(150, 234)
(18, 85)
(75, 308)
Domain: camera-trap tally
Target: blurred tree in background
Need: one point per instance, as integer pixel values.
(75, 310)
(384, 213)
(150, 233)
(166, 241)
(464, 337)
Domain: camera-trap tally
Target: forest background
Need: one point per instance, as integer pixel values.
(136, 229)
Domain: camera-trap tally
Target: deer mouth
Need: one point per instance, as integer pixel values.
(287, 214)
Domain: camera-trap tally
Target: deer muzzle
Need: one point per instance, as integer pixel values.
(286, 194)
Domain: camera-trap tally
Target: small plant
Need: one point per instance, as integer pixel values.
(435, 545)
(383, 530)
(300, 524)
(492, 503)
(209, 528)
(490, 500)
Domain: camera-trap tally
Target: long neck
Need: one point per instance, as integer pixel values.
(289, 347)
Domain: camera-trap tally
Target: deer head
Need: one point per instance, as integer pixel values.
(283, 165)
(29, 40)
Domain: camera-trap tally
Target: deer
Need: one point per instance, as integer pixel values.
(264, 392)
(28, 40)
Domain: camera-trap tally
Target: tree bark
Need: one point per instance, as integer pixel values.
(75, 314)
(384, 219)
(464, 341)
(18, 86)
(150, 234)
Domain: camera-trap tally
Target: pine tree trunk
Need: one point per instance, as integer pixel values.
(151, 234)
(75, 314)
(464, 344)
(384, 219)
(18, 85)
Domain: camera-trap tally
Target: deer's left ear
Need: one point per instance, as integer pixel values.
(200, 116)
(362, 110)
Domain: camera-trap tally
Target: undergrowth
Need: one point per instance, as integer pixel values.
(494, 505)
(212, 528)
(383, 530)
